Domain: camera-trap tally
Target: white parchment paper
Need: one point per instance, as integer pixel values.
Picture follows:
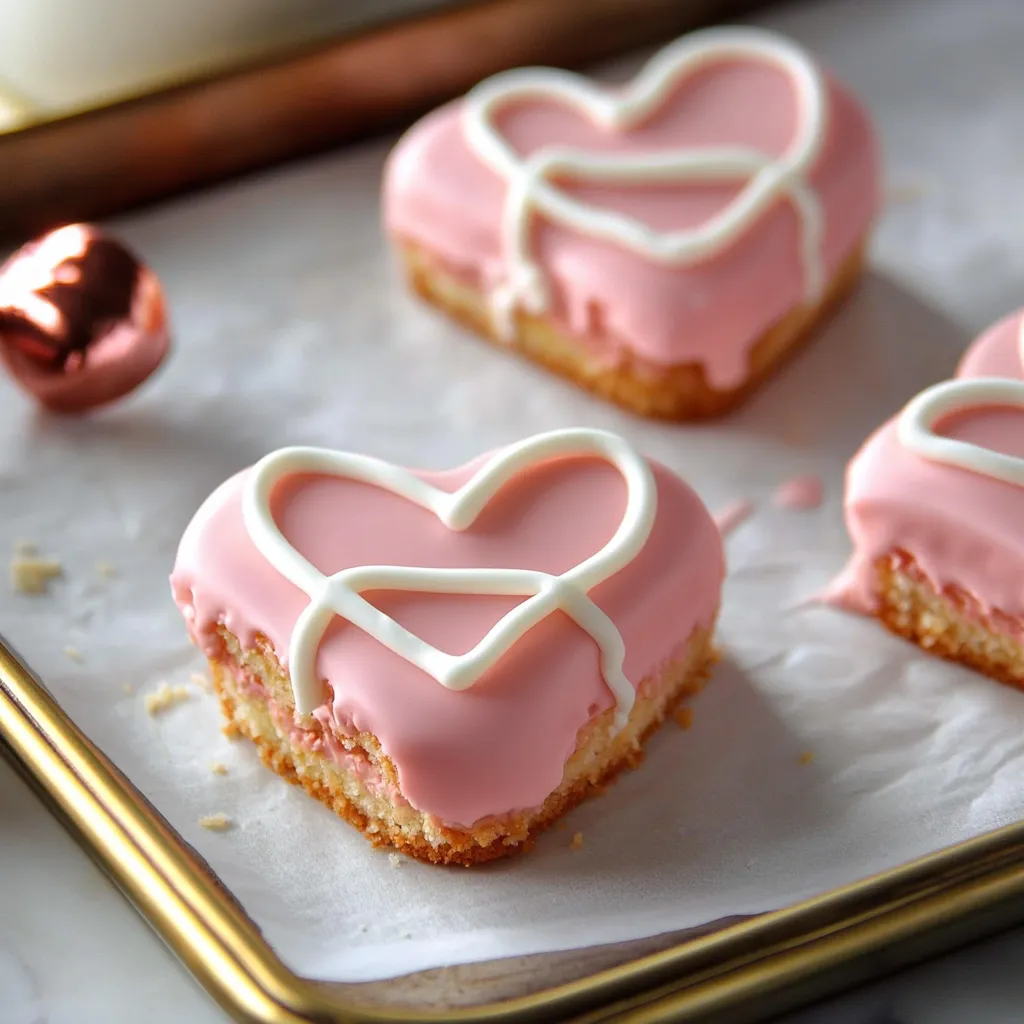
(291, 328)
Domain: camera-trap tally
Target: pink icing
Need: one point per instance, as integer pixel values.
(800, 494)
(733, 516)
(439, 195)
(502, 745)
(962, 528)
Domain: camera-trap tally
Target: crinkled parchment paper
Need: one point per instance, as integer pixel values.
(823, 749)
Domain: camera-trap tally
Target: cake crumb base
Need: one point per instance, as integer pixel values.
(598, 758)
(949, 623)
(677, 392)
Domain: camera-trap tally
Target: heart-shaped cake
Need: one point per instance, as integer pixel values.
(664, 242)
(452, 660)
(934, 502)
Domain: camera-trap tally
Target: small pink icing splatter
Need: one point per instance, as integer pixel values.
(733, 515)
(801, 494)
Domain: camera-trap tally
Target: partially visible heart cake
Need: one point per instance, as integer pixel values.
(934, 505)
(453, 660)
(665, 243)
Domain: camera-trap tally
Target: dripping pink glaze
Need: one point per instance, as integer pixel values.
(437, 194)
(800, 494)
(502, 745)
(732, 516)
(961, 527)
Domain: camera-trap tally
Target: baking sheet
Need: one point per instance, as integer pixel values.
(822, 751)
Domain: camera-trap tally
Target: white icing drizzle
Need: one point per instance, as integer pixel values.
(530, 188)
(916, 426)
(341, 594)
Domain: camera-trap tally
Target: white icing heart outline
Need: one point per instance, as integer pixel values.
(769, 177)
(915, 428)
(340, 594)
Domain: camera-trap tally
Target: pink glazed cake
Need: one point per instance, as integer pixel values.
(665, 243)
(452, 660)
(934, 506)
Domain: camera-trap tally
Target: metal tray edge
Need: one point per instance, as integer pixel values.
(741, 973)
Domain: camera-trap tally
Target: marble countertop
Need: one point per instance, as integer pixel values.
(72, 951)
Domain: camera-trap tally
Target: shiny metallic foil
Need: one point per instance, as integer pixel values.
(82, 321)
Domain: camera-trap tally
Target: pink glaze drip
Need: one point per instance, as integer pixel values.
(962, 528)
(800, 494)
(437, 194)
(502, 745)
(733, 516)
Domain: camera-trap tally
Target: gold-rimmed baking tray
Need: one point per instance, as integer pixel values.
(99, 162)
(745, 971)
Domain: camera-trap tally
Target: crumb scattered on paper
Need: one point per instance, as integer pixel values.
(684, 717)
(26, 548)
(219, 769)
(806, 757)
(201, 681)
(32, 575)
(73, 654)
(165, 696)
(216, 822)
(107, 570)
(127, 689)
(577, 841)
(395, 859)
(230, 731)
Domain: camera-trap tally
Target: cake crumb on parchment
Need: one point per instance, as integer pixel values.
(218, 822)
(74, 654)
(165, 696)
(806, 757)
(107, 570)
(683, 717)
(219, 769)
(33, 575)
(127, 689)
(395, 859)
(577, 841)
(201, 681)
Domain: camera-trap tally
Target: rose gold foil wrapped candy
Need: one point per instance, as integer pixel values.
(82, 321)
